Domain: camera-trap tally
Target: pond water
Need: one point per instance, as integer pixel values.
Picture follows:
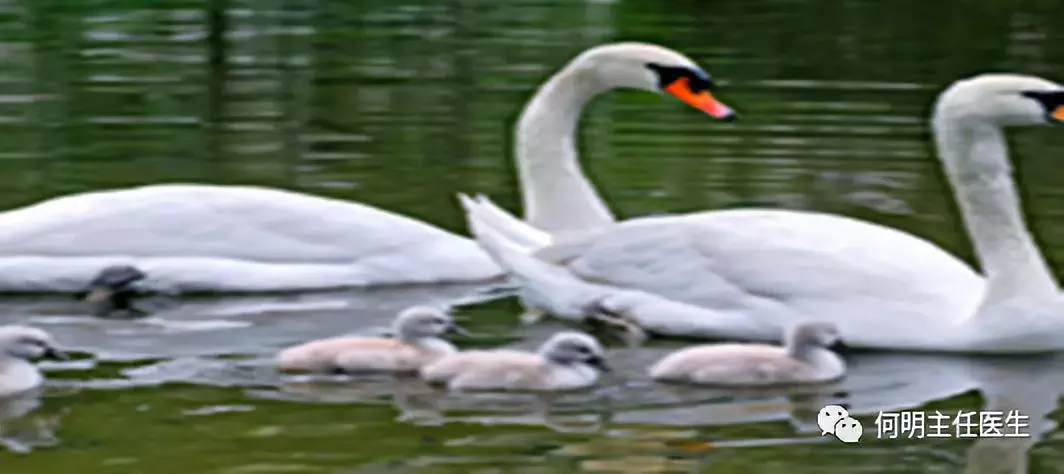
(402, 103)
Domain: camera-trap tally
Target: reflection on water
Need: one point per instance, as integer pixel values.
(23, 426)
(402, 103)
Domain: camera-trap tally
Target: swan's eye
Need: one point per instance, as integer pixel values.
(697, 81)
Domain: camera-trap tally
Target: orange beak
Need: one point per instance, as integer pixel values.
(703, 101)
(1058, 113)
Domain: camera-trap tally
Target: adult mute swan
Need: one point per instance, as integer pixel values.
(191, 237)
(748, 274)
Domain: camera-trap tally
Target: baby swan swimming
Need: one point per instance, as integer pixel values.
(417, 342)
(19, 344)
(803, 359)
(567, 361)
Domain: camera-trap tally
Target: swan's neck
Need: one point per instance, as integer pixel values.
(976, 161)
(556, 195)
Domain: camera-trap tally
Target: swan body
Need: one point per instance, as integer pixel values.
(190, 237)
(19, 344)
(417, 342)
(805, 358)
(567, 361)
(754, 272)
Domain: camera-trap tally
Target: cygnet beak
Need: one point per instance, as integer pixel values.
(839, 347)
(53, 353)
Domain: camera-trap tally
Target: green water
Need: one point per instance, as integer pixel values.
(402, 103)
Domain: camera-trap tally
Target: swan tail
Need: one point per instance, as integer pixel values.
(483, 212)
(513, 257)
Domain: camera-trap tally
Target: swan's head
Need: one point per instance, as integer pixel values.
(575, 348)
(818, 334)
(653, 68)
(1002, 100)
(24, 342)
(420, 322)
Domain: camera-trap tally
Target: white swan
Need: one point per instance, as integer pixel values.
(748, 274)
(191, 237)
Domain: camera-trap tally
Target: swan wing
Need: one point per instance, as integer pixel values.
(555, 290)
(779, 267)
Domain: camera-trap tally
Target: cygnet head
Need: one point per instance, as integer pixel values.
(652, 68)
(815, 334)
(421, 322)
(575, 348)
(24, 342)
(1001, 100)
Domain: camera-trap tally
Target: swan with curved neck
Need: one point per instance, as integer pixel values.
(749, 273)
(557, 196)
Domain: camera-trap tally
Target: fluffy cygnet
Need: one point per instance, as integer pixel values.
(417, 342)
(567, 361)
(19, 344)
(803, 359)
